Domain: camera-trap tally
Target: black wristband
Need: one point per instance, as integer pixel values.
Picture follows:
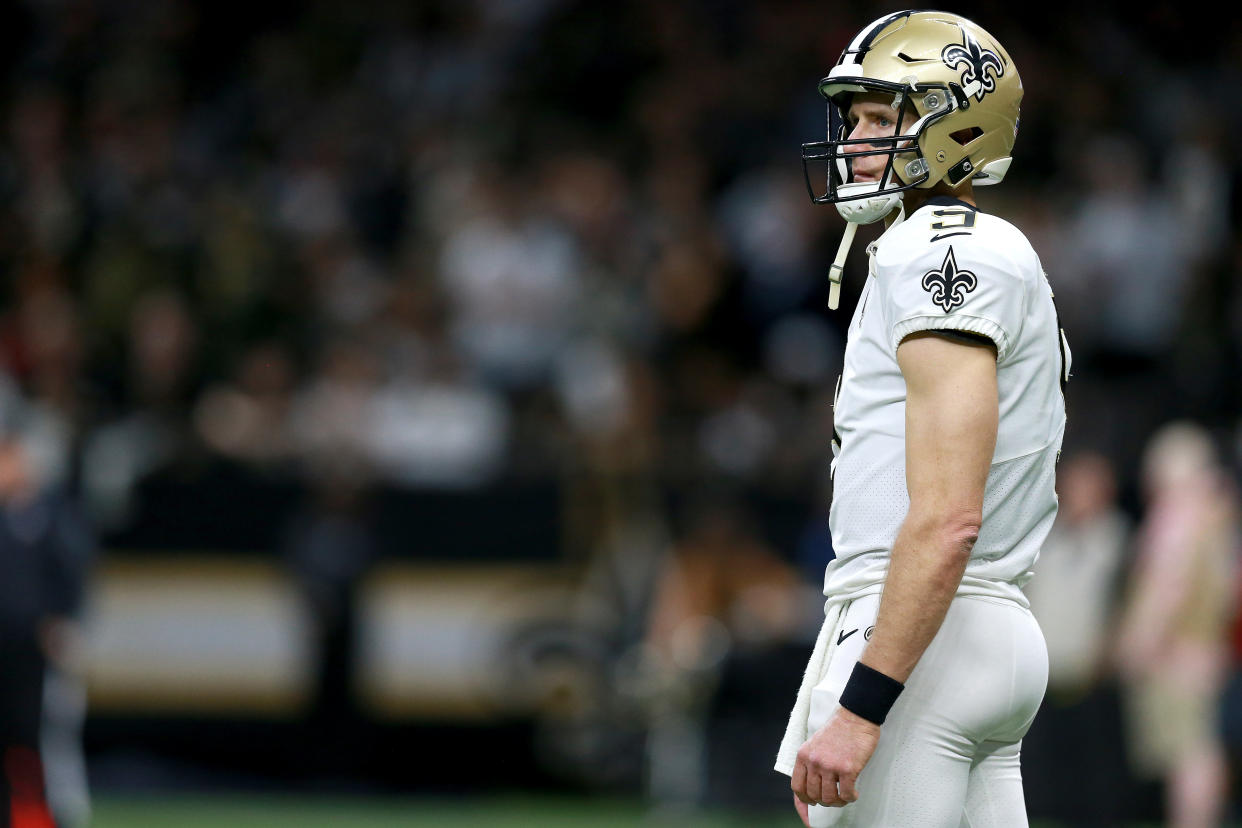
(870, 694)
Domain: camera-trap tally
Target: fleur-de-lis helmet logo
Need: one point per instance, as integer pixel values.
(974, 61)
(949, 285)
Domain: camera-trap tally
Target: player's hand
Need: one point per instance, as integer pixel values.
(829, 762)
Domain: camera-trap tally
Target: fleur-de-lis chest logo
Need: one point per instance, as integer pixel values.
(974, 62)
(949, 285)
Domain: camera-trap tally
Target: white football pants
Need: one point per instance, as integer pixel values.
(948, 755)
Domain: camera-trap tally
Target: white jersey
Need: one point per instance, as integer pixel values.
(948, 267)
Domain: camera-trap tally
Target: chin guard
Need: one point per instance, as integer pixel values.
(862, 210)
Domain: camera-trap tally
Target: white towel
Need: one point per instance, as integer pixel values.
(796, 731)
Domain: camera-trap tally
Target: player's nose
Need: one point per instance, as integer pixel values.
(854, 135)
(859, 133)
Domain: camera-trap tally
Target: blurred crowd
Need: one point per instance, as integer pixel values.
(452, 246)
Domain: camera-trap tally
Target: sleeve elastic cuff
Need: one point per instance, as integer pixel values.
(957, 322)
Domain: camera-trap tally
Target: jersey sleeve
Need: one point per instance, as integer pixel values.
(960, 287)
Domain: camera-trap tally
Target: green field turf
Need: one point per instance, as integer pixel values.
(303, 812)
(237, 811)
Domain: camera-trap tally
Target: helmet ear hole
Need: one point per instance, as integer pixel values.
(965, 136)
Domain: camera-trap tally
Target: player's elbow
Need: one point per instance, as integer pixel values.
(961, 537)
(954, 531)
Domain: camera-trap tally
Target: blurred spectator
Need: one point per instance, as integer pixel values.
(46, 551)
(512, 277)
(765, 218)
(330, 416)
(1231, 713)
(439, 430)
(1075, 593)
(153, 430)
(47, 348)
(1075, 596)
(247, 419)
(1172, 645)
(724, 593)
(1138, 279)
(327, 546)
(163, 349)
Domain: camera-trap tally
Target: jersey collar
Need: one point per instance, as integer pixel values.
(949, 201)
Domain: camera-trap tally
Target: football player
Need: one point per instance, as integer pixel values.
(948, 422)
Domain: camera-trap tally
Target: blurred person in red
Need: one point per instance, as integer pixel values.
(45, 550)
(1075, 596)
(1173, 642)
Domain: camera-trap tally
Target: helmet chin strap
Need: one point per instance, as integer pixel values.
(834, 272)
(856, 212)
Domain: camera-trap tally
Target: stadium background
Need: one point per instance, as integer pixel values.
(393, 350)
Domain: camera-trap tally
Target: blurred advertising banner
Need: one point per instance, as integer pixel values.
(202, 634)
(197, 635)
(444, 643)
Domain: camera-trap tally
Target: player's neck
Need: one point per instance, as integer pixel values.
(915, 199)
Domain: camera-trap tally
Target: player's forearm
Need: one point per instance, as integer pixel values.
(951, 425)
(926, 567)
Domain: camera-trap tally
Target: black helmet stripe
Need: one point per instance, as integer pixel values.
(862, 41)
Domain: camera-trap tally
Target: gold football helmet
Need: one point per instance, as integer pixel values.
(948, 74)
